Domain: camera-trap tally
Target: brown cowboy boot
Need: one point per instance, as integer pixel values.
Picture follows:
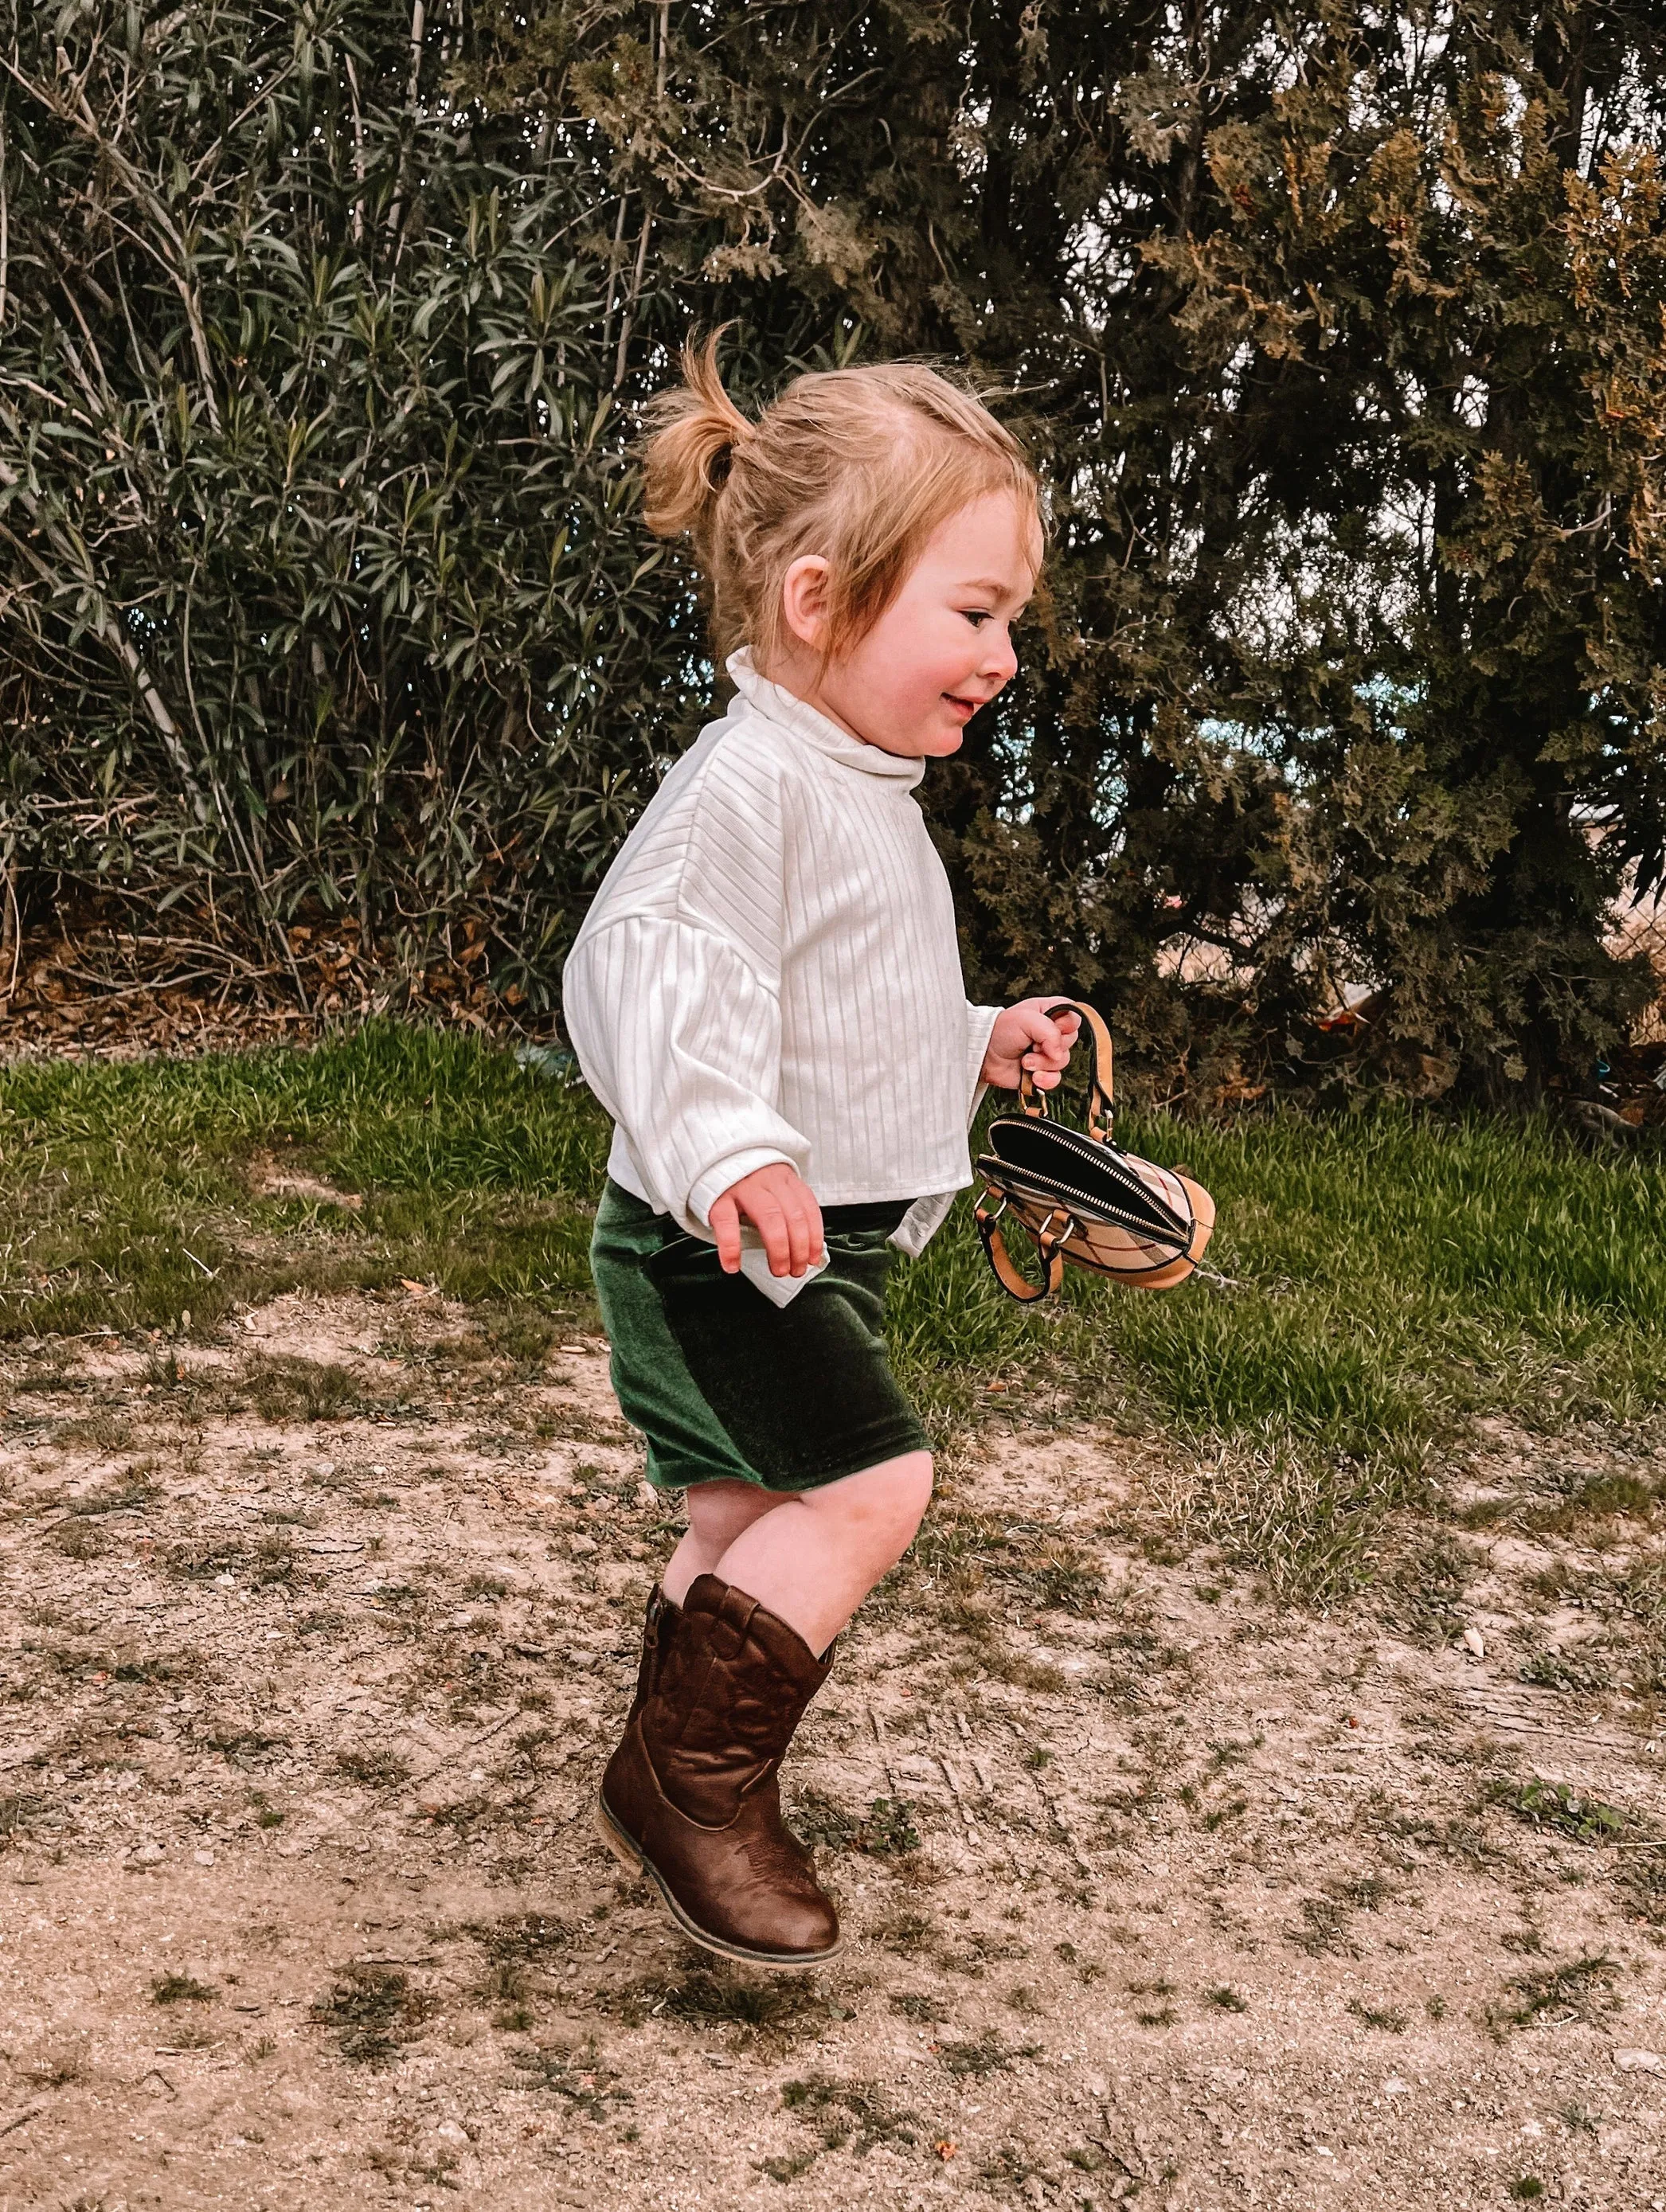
(659, 1626)
(690, 1797)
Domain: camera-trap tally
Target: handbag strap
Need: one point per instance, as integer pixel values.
(1100, 1107)
(1048, 1247)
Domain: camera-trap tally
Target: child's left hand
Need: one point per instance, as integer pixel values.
(1024, 1037)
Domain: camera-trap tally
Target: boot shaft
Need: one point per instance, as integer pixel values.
(659, 1626)
(729, 1687)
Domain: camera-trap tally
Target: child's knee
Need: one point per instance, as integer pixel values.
(885, 1504)
(915, 1475)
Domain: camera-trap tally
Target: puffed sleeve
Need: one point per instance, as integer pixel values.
(680, 1039)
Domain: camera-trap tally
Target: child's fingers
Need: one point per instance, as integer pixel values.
(804, 1231)
(1058, 1038)
(798, 1235)
(806, 1220)
(1049, 1049)
(769, 1218)
(724, 1222)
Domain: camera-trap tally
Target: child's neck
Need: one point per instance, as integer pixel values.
(802, 673)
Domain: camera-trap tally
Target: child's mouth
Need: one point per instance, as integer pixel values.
(964, 708)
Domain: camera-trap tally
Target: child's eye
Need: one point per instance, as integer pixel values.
(976, 616)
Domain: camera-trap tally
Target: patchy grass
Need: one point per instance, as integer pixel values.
(719, 1998)
(291, 1389)
(1558, 1805)
(373, 2010)
(1580, 1989)
(888, 1828)
(375, 1769)
(1383, 1279)
(857, 2113)
(136, 1197)
(977, 2060)
(181, 1989)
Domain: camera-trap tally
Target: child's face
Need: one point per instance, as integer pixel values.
(944, 648)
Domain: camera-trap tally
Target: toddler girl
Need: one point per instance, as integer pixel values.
(767, 997)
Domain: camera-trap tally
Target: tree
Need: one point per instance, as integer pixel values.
(1339, 339)
(320, 592)
(1338, 336)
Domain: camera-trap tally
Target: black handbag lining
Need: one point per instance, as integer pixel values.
(1066, 1164)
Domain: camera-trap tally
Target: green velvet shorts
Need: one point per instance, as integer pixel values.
(727, 1386)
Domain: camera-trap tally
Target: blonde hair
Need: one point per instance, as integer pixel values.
(860, 466)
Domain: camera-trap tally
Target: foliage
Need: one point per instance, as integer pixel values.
(1339, 335)
(1554, 1804)
(318, 591)
(1341, 340)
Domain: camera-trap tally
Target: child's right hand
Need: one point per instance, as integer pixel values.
(782, 1209)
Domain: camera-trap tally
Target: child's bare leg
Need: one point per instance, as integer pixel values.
(725, 1682)
(812, 1556)
(717, 1512)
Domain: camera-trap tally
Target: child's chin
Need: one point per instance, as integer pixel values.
(940, 743)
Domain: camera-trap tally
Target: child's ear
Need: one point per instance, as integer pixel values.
(803, 599)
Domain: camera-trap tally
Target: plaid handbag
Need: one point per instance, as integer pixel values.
(1077, 1197)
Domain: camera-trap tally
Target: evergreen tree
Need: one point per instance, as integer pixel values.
(1339, 335)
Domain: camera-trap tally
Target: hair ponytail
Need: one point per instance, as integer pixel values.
(858, 465)
(692, 449)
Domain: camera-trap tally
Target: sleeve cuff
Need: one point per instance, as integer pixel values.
(723, 1173)
(980, 1025)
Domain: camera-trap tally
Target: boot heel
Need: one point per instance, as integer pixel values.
(614, 1837)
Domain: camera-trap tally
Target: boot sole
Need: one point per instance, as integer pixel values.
(629, 1855)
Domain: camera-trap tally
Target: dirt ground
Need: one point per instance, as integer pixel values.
(314, 1639)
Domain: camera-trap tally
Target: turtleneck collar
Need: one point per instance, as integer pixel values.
(813, 727)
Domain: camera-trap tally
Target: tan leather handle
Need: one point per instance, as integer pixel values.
(1100, 1107)
(1048, 1249)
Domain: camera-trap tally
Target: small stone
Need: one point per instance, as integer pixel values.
(203, 1858)
(580, 1546)
(1640, 2062)
(1475, 1642)
(449, 2132)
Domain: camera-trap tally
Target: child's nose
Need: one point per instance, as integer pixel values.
(1001, 663)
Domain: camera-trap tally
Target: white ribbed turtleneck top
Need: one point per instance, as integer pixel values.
(769, 971)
